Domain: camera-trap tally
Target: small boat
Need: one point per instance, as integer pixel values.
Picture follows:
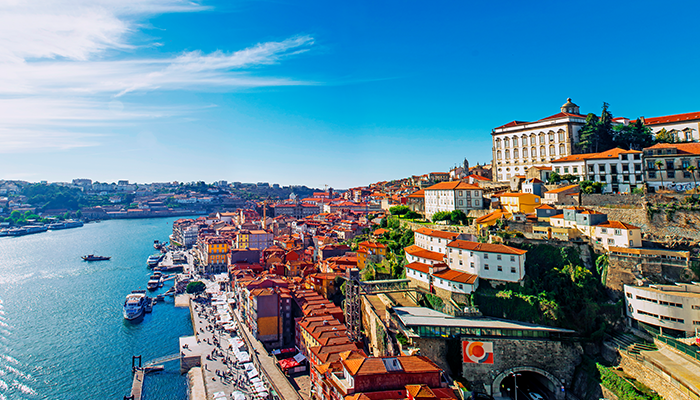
(135, 304)
(92, 257)
(153, 284)
(154, 260)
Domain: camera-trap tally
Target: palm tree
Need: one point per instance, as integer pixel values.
(660, 164)
(691, 169)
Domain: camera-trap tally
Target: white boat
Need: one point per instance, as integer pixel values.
(135, 304)
(154, 260)
(153, 284)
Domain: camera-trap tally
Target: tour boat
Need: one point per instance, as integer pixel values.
(135, 304)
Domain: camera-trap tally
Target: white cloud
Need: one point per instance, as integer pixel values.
(56, 79)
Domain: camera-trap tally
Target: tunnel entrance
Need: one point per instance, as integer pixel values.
(527, 384)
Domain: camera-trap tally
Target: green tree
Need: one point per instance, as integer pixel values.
(590, 187)
(195, 287)
(458, 217)
(660, 164)
(399, 210)
(596, 134)
(413, 215)
(633, 137)
(554, 177)
(664, 136)
(442, 216)
(691, 169)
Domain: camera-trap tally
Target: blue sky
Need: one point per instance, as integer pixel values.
(314, 93)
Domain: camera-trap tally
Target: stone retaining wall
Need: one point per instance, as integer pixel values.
(661, 384)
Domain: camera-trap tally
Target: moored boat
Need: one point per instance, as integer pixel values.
(154, 260)
(92, 257)
(135, 304)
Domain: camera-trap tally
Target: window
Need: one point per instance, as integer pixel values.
(507, 154)
(651, 165)
(498, 154)
(486, 256)
(541, 138)
(696, 307)
(618, 232)
(631, 243)
(629, 295)
(512, 270)
(611, 241)
(542, 153)
(669, 164)
(471, 254)
(561, 136)
(603, 230)
(498, 143)
(562, 150)
(498, 257)
(512, 258)
(471, 265)
(486, 267)
(696, 322)
(515, 153)
(460, 251)
(566, 170)
(460, 262)
(575, 170)
(591, 169)
(533, 140)
(500, 268)
(460, 286)
(652, 174)
(533, 152)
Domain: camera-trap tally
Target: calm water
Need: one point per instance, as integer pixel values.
(62, 334)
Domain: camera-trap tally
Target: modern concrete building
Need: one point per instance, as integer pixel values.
(675, 309)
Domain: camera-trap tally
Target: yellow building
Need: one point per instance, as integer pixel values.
(370, 252)
(520, 202)
(491, 219)
(213, 252)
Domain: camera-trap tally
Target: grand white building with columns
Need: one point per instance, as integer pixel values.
(519, 145)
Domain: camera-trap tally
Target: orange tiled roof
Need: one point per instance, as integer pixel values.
(486, 247)
(438, 234)
(423, 253)
(683, 148)
(419, 194)
(456, 276)
(419, 266)
(614, 153)
(562, 189)
(452, 185)
(671, 118)
(617, 225)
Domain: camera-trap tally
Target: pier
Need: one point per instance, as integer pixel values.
(140, 373)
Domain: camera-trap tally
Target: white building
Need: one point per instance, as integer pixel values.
(620, 170)
(486, 260)
(617, 234)
(685, 127)
(433, 240)
(417, 254)
(439, 276)
(451, 196)
(672, 308)
(519, 145)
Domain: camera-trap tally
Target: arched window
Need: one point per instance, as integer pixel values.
(498, 143)
(533, 140)
(534, 152)
(562, 150)
(507, 154)
(551, 150)
(541, 138)
(524, 152)
(498, 154)
(551, 136)
(515, 141)
(542, 153)
(515, 153)
(506, 142)
(561, 135)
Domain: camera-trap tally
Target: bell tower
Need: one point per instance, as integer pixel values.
(569, 107)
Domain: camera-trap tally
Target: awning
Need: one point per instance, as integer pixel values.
(299, 358)
(253, 373)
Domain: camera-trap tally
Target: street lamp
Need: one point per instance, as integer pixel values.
(515, 383)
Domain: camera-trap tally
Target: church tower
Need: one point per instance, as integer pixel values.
(466, 167)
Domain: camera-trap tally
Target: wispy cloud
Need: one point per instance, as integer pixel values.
(59, 69)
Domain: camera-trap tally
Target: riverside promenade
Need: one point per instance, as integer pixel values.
(219, 372)
(266, 364)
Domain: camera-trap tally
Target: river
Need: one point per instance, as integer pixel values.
(62, 334)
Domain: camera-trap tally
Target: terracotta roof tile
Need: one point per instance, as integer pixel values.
(452, 185)
(617, 225)
(438, 234)
(423, 253)
(485, 247)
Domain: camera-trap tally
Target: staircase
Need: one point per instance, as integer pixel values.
(630, 343)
